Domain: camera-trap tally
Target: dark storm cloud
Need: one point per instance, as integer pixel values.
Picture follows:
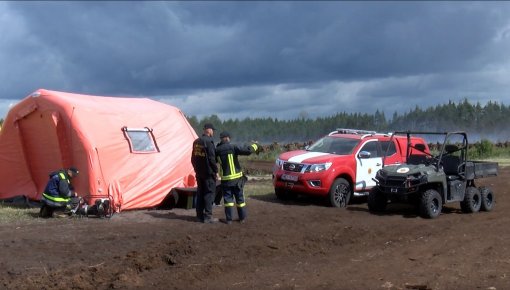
(258, 58)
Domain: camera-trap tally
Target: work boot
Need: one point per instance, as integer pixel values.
(210, 221)
(45, 212)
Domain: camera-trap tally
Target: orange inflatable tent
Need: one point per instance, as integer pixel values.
(133, 151)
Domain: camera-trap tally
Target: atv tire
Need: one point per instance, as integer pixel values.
(431, 204)
(377, 200)
(487, 198)
(472, 200)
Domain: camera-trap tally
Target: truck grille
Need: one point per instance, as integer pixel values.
(294, 167)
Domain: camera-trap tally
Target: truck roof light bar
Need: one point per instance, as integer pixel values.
(352, 131)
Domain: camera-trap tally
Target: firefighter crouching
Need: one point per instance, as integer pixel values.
(58, 191)
(232, 178)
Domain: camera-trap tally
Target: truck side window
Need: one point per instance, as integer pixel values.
(372, 148)
(391, 150)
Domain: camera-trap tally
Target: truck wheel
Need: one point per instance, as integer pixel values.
(340, 193)
(377, 200)
(472, 200)
(431, 204)
(487, 199)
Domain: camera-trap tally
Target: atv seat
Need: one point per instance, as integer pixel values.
(451, 165)
(451, 162)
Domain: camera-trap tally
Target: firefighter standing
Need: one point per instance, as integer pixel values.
(232, 179)
(203, 159)
(58, 191)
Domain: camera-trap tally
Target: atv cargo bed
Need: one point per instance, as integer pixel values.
(481, 169)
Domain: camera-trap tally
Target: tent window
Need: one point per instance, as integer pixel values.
(141, 140)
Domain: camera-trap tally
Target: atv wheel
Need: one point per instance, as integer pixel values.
(377, 201)
(487, 199)
(431, 204)
(472, 200)
(340, 193)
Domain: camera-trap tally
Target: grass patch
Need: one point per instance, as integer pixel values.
(10, 213)
(259, 187)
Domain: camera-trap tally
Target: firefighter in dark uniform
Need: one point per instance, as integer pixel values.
(58, 191)
(232, 179)
(203, 159)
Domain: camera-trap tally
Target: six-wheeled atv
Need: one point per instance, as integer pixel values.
(430, 180)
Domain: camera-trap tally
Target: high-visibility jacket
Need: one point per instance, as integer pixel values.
(230, 169)
(58, 190)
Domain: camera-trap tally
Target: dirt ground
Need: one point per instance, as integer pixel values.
(295, 245)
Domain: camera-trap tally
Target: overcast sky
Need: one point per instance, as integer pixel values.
(260, 59)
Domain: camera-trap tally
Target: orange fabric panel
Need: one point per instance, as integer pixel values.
(38, 132)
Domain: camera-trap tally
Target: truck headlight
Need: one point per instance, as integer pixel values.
(318, 167)
(278, 164)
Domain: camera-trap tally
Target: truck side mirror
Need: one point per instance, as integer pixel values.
(364, 154)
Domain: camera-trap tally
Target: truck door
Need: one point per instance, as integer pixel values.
(367, 167)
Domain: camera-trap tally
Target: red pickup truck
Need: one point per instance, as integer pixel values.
(341, 164)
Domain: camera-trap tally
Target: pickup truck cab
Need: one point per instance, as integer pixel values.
(339, 165)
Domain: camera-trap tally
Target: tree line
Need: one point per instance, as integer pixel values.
(487, 122)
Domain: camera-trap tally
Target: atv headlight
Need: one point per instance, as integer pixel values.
(416, 179)
(318, 167)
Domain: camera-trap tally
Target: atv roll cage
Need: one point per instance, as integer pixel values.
(452, 163)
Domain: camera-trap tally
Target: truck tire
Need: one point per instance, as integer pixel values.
(340, 193)
(472, 200)
(377, 200)
(487, 198)
(431, 204)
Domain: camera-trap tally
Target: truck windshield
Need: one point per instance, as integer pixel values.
(334, 145)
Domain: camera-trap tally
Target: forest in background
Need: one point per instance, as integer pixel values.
(488, 122)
